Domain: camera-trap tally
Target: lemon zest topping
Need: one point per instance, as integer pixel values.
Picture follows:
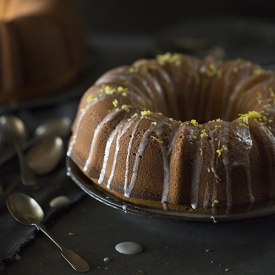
(215, 202)
(201, 151)
(213, 218)
(215, 174)
(146, 113)
(224, 149)
(154, 122)
(133, 70)
(259, 71)
(115, 102)
(168, 57)
(125, 106)
(108, 90)
(213, 70)
(272, 94)
(194, 122)
(157, 139)
(259, 98)
(122, 90)
(203, 133)
(133, 116)
(258, 116)
(91, 98)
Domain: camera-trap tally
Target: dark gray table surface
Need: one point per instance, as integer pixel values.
(169, 247)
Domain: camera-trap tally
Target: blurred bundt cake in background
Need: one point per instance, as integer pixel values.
(42, 47)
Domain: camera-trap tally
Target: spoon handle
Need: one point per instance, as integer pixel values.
(27, 175)
(76, 261)
(9, 153)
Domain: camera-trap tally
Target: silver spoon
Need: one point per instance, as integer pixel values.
(57, 127)
(27, 211)
(14, 130)
(42, 158)
(45, 155)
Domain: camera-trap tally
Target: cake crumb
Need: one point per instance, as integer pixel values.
(71, 233)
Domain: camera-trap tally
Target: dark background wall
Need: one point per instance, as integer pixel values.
(130, 16)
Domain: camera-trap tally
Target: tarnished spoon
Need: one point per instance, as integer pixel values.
(42, 158)
(57, 127)
(45, 155)
(14, 130)
(27, 211)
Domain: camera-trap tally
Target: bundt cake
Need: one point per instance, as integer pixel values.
(129, 140)
(41, 47)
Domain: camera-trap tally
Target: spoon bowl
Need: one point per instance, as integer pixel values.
(27, 211)
(12, 128)
(24, 209)
(45, 155)
(56, 127)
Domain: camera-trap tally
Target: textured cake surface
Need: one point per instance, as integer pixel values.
(181, 134)
(41, 47)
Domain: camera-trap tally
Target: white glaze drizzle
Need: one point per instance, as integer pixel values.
(107, 151)
(228, 168)
(79, 120)
(110, 116)
(166, 152)
(127, 125)
(142, 146)
(195, 168)
(126, 192)
(243, 134)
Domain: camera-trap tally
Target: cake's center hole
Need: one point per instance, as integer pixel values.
(203, 110)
